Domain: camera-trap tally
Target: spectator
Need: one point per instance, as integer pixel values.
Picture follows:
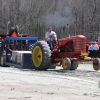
(2, 44)
(95, 49)
(13, 32)
(50, 37)
(90, 49)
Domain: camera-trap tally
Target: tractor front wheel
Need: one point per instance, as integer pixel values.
(74, 65)
(96, 64)
(41, 56)
(66, 63)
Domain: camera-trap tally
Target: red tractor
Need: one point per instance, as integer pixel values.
(67, 52)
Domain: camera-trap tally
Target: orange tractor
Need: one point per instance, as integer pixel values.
(67, 52)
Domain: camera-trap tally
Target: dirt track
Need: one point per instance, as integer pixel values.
(56, 84)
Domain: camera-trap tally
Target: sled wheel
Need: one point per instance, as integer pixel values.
(66, 63)
(41, 56)
(96, 64)
(74, 65)
(2, 61)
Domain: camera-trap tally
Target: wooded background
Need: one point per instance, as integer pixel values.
(64, 16)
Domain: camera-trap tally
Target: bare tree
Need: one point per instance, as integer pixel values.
(34, 16)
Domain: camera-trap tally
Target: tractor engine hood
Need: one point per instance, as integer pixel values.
(63, 41)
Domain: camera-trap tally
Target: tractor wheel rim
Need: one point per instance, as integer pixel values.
(37, 56)
(64, 64)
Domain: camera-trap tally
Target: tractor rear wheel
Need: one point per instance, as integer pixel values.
(66, 63)
(96, 64)
(41, 56)
(74, 65)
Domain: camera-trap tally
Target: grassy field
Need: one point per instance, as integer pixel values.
(86, 62)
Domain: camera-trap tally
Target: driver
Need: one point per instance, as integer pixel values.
(50, 37)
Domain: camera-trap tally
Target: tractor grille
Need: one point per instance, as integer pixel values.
(80, 45)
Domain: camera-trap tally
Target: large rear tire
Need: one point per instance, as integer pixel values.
(96, 64)
(74, 65)
(41, 56)
(66, 63)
